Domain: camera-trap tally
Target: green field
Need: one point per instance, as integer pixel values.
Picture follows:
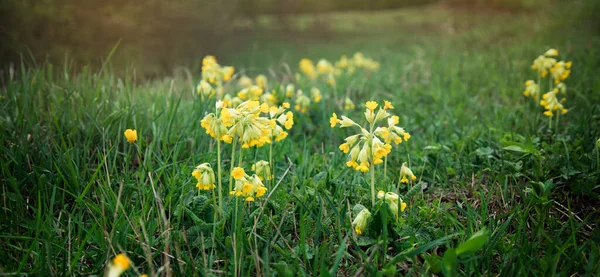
(500, 189)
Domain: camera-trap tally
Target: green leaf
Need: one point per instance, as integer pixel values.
(474, 243)
(434, 263)
(514, 148)
(450, 262)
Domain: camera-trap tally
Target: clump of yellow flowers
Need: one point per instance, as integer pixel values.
(213, 74)
(328, 71)
(247, 186)
(393, 201)
(371, 145)
(361, 221)
(205, 176)
(547, 65)
(117, 266)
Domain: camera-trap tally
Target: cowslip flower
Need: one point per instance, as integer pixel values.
(247, 186)
(392, 133)
(245, 81)
(551, 52)
(278, 117)
(308, 68)
(262, 170)
(131, 135)
(215, 73)
(368, 147)
(289, 90)
(205, 176)
(117, 266)
(560, 71)
(216, 124)
(551, 103)
(302, 102)
(532, 89)
(315, 93)
(406, 173)
(348, 104)
(324, 67)
(246, 125)
(261, 81)
(361, 220)
(393, 201)
(205, 89)
(542, 65)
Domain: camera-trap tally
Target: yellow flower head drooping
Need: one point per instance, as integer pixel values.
(131, 135)
(308, 68)
(406, 174)
(348, 104)
(289, 90)
(532, 90)
(543, 64)
(361, 221)
(245, 81)
(551, 52)
(261, 81)
(393, 201)
(118, 266)
(205, 176)
(324, 67)
(205, 90)
(247, 125)
(214, 73)
(369, 147)
(302, 102)
(560, 71)
(262, 170)
(551, 103)
(315, 93)
(249, 187)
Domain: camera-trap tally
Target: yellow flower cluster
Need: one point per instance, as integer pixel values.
(245, 123)
(213, 73)
(369, 147)
(551, 104)
(358, 61)
(262, 169)
(118, 266)
(532, 89)
(328, 71)
(205, 176)
(247, 186)
(559, 71)
(393, 201)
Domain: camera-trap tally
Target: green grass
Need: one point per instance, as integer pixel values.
(75, 193)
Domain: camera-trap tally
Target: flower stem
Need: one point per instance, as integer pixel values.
(372, 185)
(219, 188)
(232, 163)
(272, 177)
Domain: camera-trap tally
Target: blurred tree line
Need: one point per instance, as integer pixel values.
(158, 33)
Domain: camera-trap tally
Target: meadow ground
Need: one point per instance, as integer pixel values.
(500, 188)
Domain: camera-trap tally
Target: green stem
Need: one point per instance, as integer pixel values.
(232, 163)
(240, 158)
(385, 168)
(272, 177)
(220, 188)
(372, 185)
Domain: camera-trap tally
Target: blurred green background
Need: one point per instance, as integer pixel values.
(156, 36)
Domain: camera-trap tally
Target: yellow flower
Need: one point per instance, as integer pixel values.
(308, 68)
(334, 120)
(316, 94)
(371, 105)
(118, 265)
(392, 199)
(345, 147)
(348, 104)
(387, 105)
(205, 176)
(261, 81)
(262, 169)
(238, 173)
(361, 220)
(406, 173)
(531, 89)
(551, 52)
(245, 81)
(131, 135)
